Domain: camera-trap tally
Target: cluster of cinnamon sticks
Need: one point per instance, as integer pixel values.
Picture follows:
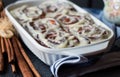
(15, 54)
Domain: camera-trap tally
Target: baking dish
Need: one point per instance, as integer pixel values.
(47, 55)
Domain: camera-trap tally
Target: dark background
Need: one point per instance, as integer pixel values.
(44, 69)
(98, 4)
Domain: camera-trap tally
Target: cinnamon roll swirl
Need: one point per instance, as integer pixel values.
(52, 8)
(67, 21)
(28, 13)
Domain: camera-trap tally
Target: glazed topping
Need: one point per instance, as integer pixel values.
(28, 13)
(59, 25)
(32, 12)
(19, 15)
(51, 8)
(66, 20)
(52, 23)
(51, 35)
(73, 41)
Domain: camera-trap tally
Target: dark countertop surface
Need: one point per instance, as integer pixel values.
(45, 71)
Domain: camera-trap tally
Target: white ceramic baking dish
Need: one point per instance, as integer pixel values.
(47, 55)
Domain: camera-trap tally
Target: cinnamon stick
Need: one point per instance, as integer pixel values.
(12, 58)
(27, 59)
(2, 45)
(1, 61)
(24, 68)
(8, 50)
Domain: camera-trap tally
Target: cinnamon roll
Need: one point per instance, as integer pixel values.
(19, 15)
(53, 8)
(57, 24)
(47, 31)
(27, 13)
(67, 21)
(34, 12)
